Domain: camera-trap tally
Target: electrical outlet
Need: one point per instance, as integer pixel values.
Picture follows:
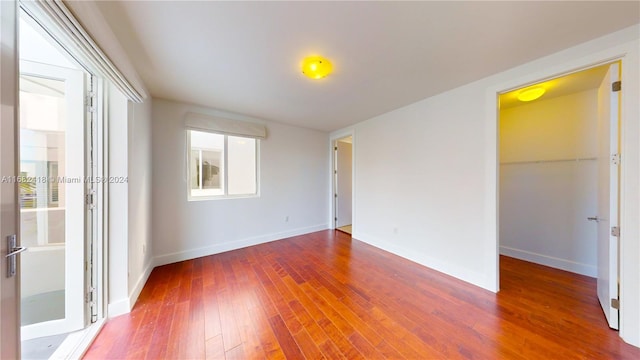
(395, 231)
(286, 218)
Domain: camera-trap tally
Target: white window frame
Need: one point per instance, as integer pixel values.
(225, 166)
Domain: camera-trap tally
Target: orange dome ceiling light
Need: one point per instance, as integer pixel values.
(316, 67)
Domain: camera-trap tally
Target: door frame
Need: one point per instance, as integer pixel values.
(332, 208)
(9, 219)
(628, 55)
(618, 169)
(336, 180)
(496, 157)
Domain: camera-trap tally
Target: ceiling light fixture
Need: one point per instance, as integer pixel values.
(316, 67)
(531, 94)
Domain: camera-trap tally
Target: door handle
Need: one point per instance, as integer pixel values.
(593, 218)
(12, 251)
(16, 251)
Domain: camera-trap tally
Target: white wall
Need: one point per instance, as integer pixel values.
(139, 211)
(419, 195)
(129, 240)
(544, 198)
(293, 183)
(435, 180)
(118, 218)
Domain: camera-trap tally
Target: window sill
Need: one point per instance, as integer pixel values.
(221, 197)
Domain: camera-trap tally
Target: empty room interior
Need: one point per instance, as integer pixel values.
(249, 180)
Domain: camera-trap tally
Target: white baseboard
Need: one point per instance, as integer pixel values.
(120, 307)
(137, 289)
(474, 278)
(562, 264)
(124, 306)
(234, 245)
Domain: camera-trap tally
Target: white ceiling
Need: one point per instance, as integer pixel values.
(244, 57)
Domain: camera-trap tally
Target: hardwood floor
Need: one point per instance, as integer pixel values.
(323, 295)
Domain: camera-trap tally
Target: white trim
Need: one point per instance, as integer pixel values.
(119, 307)
(76, 344)
(102, 111)
(629, 247)
(99, 215)
(476, 278)
(335, 136)
(124, 306)
(554, 262)
(137, 289)
(233, 245)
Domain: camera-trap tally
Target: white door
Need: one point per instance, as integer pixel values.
(343, 182)
(52, 199)
(9, 305)
(608, 171)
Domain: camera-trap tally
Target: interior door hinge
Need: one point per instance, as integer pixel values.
(615, 231)
(616, 86)
(615, 159)
(90, 101)
(88, 200)
(88, 296)
(335, 148)
(90, 299)
(615, 303)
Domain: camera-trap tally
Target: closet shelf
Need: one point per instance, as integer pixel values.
(548, 161)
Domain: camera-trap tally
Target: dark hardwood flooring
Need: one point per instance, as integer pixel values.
(323, 295)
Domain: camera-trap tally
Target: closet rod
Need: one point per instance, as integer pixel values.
(548, 161)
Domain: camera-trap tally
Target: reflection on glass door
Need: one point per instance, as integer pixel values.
(51, 196)
(42, 215)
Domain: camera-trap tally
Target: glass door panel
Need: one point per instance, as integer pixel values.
(51, 196)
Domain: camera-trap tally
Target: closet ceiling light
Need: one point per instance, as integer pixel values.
(531, 94)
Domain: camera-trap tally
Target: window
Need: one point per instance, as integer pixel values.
(221, 165)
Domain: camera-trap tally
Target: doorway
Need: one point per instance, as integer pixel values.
(558, 176)
(343, 182)
(55, 177)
